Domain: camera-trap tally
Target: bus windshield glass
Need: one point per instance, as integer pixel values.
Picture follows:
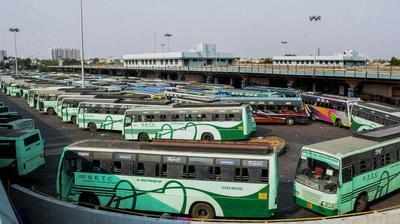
(7, 149)
(317, 175)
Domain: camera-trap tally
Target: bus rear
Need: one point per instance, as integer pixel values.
(316, 182)
(22, 150)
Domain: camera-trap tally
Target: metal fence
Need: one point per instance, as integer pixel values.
(365, 72)
(38, 208)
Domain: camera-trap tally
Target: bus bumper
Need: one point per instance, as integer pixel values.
(315, 208)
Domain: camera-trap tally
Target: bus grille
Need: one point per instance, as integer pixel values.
(312, 197)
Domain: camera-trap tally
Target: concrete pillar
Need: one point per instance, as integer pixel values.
(352, 86)
(180, 77)
(231, 81)
(209, 79)
(290, 83)
(215, 80)
(244, 82)
(314, 87)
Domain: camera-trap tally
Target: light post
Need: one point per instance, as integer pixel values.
(82, 51)
(168, 36)
(15, 31)
(162, 47)
(284, 42)
(315, 19)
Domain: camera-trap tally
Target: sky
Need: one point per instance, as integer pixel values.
(251, 28)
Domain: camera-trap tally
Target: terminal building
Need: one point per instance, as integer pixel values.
(203, 55)
(348, 58)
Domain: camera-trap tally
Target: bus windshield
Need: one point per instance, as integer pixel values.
(317, 175)
(7, 149)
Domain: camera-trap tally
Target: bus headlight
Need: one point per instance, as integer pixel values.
(328, 205)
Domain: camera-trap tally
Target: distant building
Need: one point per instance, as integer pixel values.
(3, 55)
(203, 55)
(64, 53)
(347, 58)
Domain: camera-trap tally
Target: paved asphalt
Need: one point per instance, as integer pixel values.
(58, 135)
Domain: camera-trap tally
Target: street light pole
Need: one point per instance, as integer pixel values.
(168, 36)
(315, 19)
(15, 31)
(82, 50)
(284, 43)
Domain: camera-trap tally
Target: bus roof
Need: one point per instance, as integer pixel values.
(8, 133)
(183, 107)
(381, 134)
(175, 146)
(342, 146)
(379, 106)
(331, 97)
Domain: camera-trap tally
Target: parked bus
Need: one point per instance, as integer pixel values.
(60, 99)
(368, 116)
(346, 174)
(69, 107)
(332, 109)
(190, 122)
(5, 112)
(8, 214)
(22, 150)
(274, 110)
(204, 180)
(109, 116)
(17, 123)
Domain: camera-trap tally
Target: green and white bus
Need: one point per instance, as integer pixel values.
(69, 107)
(190, 122)
(204, 180)
(368, 116)
(60, 98)
(22, 150)
(108, 116)
(346, 174)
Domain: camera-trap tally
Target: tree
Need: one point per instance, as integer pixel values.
(395, 61)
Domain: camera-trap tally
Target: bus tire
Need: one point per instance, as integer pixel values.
(338, 123)
(73, 120)
(361, 204)
(89, 199)
(290, 121)
(143, 137)
(92, 127)
(50, 111)
(202, 211)
(207, 136)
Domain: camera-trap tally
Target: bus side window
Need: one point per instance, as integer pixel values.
(163, 117)
(200, 168)
(188, 117)
(173, 166)
(365, 166)
(175, 117)
(255, 171)
(31, 139)
(347, 174)
(225, 169)
(128, 120)
(150, 165)
(138, 118)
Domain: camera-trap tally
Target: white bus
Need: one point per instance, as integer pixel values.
(332, 109)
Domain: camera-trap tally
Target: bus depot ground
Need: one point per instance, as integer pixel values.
(58, 134)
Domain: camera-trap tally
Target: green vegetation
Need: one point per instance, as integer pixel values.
(395, 61)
